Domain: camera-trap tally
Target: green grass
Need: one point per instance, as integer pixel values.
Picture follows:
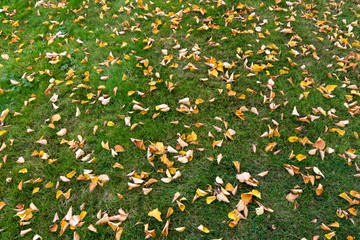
(283, 223)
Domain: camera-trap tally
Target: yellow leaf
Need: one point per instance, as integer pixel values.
(353, 211)
(198, 101)
(203, 229)
(300, 157)
(3, 113)
(71, 174)
(35, 190)
(210, 199)
(63, 225)
(270, 146)
(201, 193)
(59, 193)
(257, 68)
(234, 215)
(181, 206)
(169, 212)
(118, 165)
(293, 139)
(24, 170)
(339, 131)
(2, 132)
(191, 137)
(110, 124)
(2, 204)
(217, 143)
(330, 235)
(330, 88)
(256, 193)
(214, 72)
(319, 190)
(146, 62)
(82, 215)
(67, 194)
(355, 194)
(334, 224)
(105, 145)
(246, 197)
(180, 229)
(345, 196)
(156, 214)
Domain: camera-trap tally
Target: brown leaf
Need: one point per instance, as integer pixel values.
(291, 197)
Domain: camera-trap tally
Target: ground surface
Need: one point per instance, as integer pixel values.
(179, 119)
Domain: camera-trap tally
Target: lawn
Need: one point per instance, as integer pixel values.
(198, 119)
